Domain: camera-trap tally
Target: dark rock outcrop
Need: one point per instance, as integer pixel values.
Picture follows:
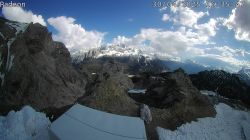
(172, 98)
(168, 89)
(35, 69)
(106, 89)
(224, 83)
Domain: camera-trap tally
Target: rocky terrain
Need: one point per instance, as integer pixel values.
(173, 99)
(34, 69)
(190, 67)
(40, 72)
(106, 88)
(224, 83)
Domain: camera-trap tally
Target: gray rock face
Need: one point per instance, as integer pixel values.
(225, 84)
(173, 100)
(107, 88)
(145, 113)
(39, 69)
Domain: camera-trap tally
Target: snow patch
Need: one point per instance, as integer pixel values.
(2, 35)
(229, 124)
(137, 91)
(208, 93)
(131, 76)
(246, 129)
(11, 62)
(211, 93)
(19, 27)
(9, 43)
(26, 124)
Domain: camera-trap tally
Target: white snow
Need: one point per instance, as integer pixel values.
(2, 35)
(119, 50)
(10, 62)
(131, 76)
(245, 71)
(8, 56)
(19, 27)
(114, 50)
(229, 124)
(208, 93)
(211, 93)
(26, 124)
(137, 91)
(81, 122)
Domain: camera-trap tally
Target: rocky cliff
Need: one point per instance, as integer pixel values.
(224, 83)
(172, 98)
(34, 69)
(107, 88)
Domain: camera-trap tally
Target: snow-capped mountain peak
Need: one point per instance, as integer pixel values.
(112, 50)
(245, 75)
(245, 71)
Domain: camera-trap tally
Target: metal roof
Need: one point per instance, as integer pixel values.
(84, 123)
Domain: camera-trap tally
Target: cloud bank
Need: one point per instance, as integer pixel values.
(188, 39)
(21, 15)
(239, 21)
(74, 36)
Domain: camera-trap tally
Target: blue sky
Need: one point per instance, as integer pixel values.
(202, 34)
(110, 16)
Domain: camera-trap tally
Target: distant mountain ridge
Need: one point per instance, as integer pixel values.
(244, 75)
(123, 53)
(111, 50)
(133, 60)
(224, 83)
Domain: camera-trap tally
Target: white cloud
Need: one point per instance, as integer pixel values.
(74, 36)
(191, 40)
(173, 43)
(165, 17)
(184, 43)
(239, 21)
(164, 8)
(21, 15)
(224, 57)
(227, 51)
(188, 19)
(227, 63)
(186, 16)
(208, 28)
(121, 40)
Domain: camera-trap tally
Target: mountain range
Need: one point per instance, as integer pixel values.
(35, 70)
